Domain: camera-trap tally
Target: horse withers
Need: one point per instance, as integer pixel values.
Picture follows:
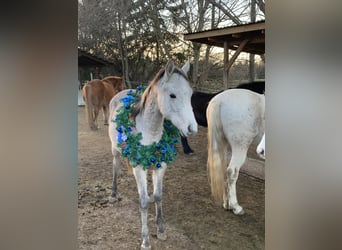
(140, 135)
(236, 117)
(97, 95)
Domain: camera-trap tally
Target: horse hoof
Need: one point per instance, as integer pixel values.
(161, 236)
(145, 248)
(239, 211)
(189, 152)
(112, 199)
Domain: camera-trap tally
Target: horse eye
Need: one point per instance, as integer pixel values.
(172, 95)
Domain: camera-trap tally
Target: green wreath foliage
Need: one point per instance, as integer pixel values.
(147, 156)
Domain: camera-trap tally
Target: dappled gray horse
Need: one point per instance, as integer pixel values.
(139, 133)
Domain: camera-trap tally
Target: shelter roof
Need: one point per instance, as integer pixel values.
(87, 59)
(253, 34)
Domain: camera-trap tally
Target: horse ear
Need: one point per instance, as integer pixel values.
(169, 67)
(186, 67)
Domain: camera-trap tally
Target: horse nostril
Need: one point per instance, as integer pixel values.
(191, 129)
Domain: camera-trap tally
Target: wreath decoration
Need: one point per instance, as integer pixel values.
(148, 156)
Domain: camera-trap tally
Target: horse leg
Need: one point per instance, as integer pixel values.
(157, 178)
(238, 159)
(106, 114)
(90, 114)
(96, 114)
(113, 196)
(141, 179)
(186, 148)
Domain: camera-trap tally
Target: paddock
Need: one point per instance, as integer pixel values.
(193, 221)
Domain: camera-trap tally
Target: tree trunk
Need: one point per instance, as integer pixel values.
(197, 48)
(252, 56)
(205, 69)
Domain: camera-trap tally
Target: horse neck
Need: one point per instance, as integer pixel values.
(150, 121)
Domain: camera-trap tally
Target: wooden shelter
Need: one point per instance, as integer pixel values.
(89, 67)
(248, 38)
(87, 60)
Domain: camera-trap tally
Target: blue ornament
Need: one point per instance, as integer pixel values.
(158, 165)
(139, 87)
(152, 159)
(120, 129)
(122, 137)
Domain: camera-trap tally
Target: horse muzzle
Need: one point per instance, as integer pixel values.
(191, 129)
(261, 153)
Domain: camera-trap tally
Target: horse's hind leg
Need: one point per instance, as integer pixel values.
(106, 114)
(95, 115)
(158, 194)
(141, 179)
(113, 197)
(238, 159)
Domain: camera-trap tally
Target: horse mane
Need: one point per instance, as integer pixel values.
(139, 107)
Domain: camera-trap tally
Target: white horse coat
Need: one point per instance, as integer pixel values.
(235, 117)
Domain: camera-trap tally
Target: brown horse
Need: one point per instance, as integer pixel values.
(97, 95)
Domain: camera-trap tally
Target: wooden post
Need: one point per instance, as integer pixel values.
(252, 56)
(225, 63)
(251, 67)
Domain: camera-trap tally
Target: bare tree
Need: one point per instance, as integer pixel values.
(140, 35)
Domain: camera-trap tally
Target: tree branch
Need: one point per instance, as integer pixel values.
(228, 12)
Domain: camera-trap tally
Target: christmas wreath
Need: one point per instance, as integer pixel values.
(148, 156)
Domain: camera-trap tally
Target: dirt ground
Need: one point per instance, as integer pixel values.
(192, 220)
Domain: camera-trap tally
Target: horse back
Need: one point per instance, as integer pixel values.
(93, 91)
(199, 102)
(243, 107)
(116, 81)
(256, 86)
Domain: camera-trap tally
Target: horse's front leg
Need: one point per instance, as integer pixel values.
(113, 197)
(141, 179)
(157, 177)
(186, 147)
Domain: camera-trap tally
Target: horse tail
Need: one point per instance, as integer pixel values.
(217, 149)
(88, 103)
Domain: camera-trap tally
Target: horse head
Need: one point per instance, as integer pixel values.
(174, 98)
